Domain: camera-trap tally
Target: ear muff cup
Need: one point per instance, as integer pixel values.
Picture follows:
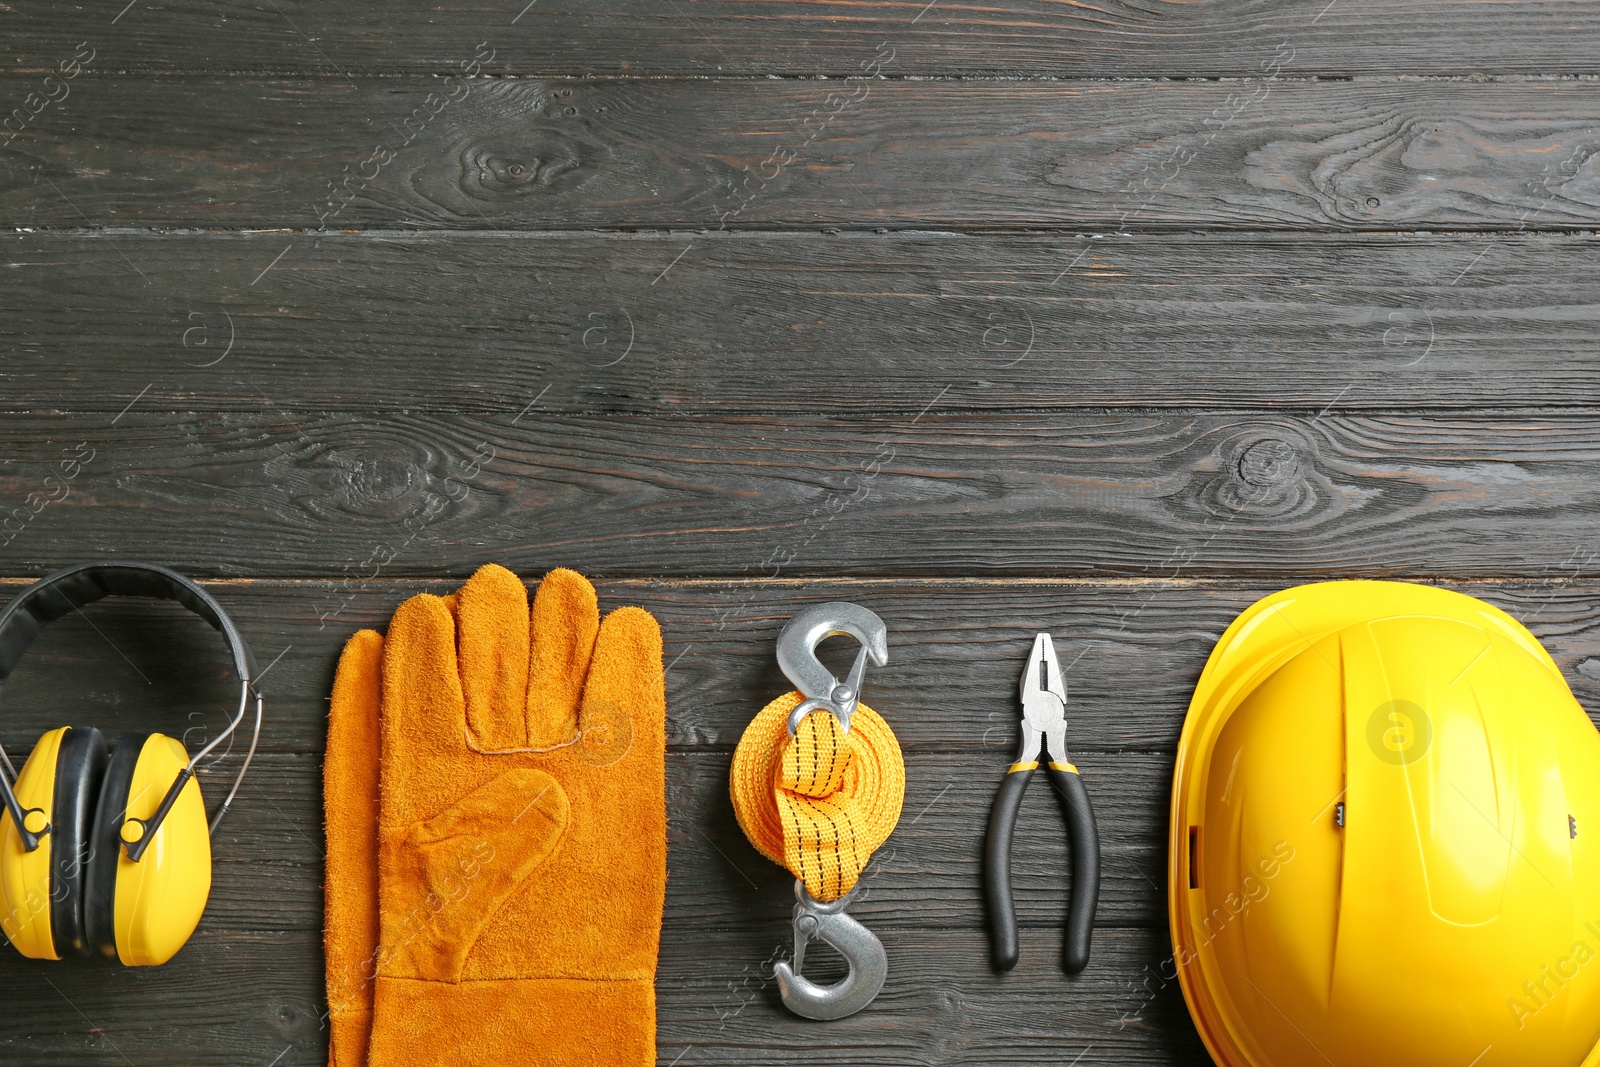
(100, 882)
(26, 900)
(80, 767)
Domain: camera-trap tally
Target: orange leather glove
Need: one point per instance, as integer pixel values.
(504, 906)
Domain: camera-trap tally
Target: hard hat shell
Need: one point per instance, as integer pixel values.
(1385, 815)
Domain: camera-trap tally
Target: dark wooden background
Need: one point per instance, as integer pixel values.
(1103, 319)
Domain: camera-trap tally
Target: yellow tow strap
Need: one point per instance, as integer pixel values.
(819, 803)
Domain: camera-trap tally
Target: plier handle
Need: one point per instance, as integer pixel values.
(1044, 724)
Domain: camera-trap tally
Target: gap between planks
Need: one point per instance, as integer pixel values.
(1219, 582)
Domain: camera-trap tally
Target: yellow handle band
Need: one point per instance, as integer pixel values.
(1033, 765)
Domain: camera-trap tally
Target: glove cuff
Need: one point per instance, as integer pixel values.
(347, 1038)
(573, 1022)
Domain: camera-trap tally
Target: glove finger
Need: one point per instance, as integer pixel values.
(424, 717)
(566, 615)
(492, 622)
(350, 803)
(625, 692)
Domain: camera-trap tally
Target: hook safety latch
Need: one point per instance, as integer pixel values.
(860, 947)
(797, 657)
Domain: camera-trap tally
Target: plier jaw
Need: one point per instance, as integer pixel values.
(1042, 676)
(1044, 705)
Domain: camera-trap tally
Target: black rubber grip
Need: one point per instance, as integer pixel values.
(997, 866)
(1085, 840)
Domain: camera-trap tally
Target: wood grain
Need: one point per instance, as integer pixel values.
(1100, 319)
(1156, 496)
(249, 983)
(244, 998)
(810, 37)
(254, 967)
(796, 323)
(731, 154)
(1136, 646)
(949, 690)
(269, 856)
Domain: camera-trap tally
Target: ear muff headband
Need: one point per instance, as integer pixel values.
(73, 587)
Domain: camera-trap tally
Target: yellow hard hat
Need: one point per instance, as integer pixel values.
(1385, 816)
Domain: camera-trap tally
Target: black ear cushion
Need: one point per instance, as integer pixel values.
(105, 841)
(80, 765)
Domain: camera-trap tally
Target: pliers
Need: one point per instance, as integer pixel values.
(1044, 718)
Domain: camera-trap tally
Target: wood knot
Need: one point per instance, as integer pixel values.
(533, 160)
(388, 480)
(1267, 463)
(294, 1022)
(1267, 473)
(374, 477)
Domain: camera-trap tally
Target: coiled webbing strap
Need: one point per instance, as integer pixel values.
(819, 803)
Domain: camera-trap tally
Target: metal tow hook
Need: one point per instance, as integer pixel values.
(860, 947)
(797, 658)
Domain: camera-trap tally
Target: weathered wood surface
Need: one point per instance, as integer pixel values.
(732, 154)
(250, 979)
(252, 996)
(1136, 648)
(1211, 494)
(795, 324)
(268, 867)
(702, 37)
(1139, 312)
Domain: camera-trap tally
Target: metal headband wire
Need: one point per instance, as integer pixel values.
(244, 697)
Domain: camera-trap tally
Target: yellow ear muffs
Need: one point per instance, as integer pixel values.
(142, 913)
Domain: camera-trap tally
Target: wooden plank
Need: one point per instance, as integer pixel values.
(227, 998)
(1136, 648)
(248, 988)
(701, 37)
(1054, 495)
(269, 852)
(132, 666)
(242, 999)
(905, 323)
(942, 1004)
(125, 665)
(732, 154)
